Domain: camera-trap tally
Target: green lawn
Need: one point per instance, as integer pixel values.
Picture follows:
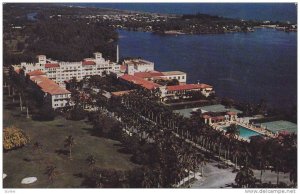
(25, 162)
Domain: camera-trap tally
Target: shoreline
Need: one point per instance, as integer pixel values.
(178, 32)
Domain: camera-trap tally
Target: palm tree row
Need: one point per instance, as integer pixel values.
(225, 145)
(175, 158)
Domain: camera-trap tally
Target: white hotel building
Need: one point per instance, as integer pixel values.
(64, 71)
(49, 76)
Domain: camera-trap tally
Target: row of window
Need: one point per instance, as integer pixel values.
(174, 77)
(60, 95)
(62, 99)
(61, 105)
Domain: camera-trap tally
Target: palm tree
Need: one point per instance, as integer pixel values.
(91, 161)
(244, 177)
(232, 131)
(293, 175)
(69, 143)
(37, 146)
(51, 172)
(147, 178)
(202, 160)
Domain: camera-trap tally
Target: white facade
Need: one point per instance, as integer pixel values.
(60, 100)
(179, 75)
(64, 71)
(50, 91)
(138, 65)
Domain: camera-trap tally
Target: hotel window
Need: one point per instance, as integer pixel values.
(182, 77)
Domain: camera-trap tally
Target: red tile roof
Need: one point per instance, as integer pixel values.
(51, 65)
(284, 132)
(17, 70)
(148, 74)
(137, 62)
(88, 63)
(206, 116)
(139, 81)
(123, 68)
(188, 87)
(120, 93)
(231, 113)
(36, 73)
(48, 86)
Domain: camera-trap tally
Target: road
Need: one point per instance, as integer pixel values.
(214, 177)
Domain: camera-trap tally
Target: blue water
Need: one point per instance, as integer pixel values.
(246, 133)
(254, 11)
(243, 66)
(32, 16)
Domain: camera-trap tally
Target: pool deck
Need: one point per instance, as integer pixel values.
(260, 130)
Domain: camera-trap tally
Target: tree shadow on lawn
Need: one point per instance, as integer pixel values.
(10, 106)
(17, 115)
(124, 150)
(59, 125)
(27, 159)
(92, 132)
(78, 175)
(118, 145)
(62, 152)
(95, 133)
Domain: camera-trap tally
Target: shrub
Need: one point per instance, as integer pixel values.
(13, 138)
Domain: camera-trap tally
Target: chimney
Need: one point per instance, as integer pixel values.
(117, 60)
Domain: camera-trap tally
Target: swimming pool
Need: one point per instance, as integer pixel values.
(246, 133)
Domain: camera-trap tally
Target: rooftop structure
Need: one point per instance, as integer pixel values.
(138, 62)
(51, 92)
(139, 81)
(36, 73)
(215, 117)
(52, 65)
(188, 87)
(48, 86)
(166, 73)
(138, 65)
(148, 74)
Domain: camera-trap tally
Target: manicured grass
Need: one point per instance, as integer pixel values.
(26, 161)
